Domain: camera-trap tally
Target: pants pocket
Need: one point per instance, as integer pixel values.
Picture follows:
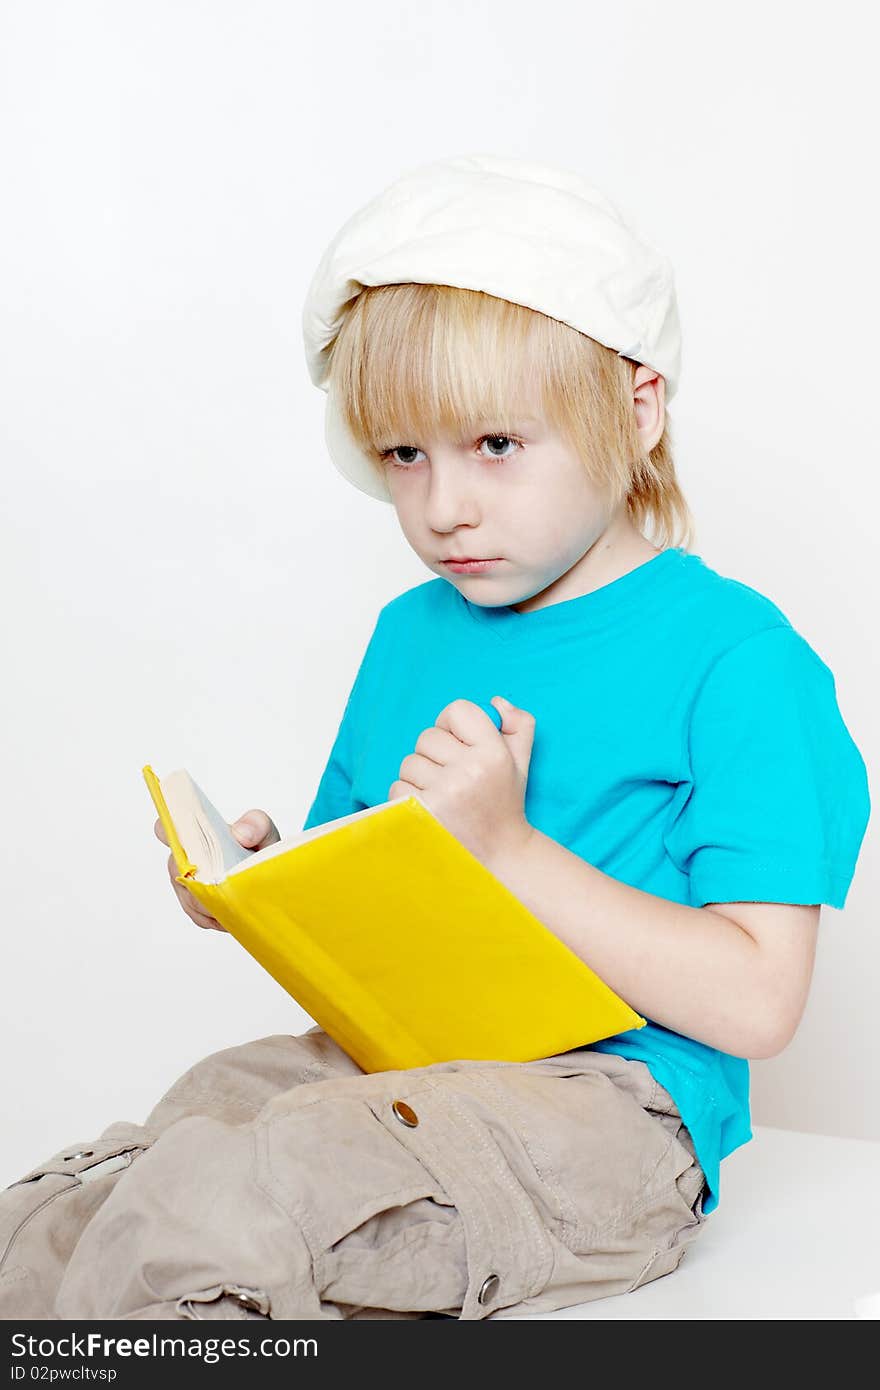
(615, 1187)
(335, 1166)
(396, 1195)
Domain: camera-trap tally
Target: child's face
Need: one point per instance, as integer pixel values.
(521, 500)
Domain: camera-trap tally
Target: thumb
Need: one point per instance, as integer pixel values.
(251, 828)
(518, 727)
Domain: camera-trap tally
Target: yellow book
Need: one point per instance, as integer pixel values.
(391, 935)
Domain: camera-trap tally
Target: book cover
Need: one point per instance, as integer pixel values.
(402, 945)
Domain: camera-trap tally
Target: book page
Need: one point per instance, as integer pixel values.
(203, 832)
(291, 841)
(231, 852)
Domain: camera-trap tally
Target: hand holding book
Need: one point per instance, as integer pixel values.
(254, 831)
(390, 933)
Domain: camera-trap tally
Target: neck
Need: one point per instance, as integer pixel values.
(612, 555)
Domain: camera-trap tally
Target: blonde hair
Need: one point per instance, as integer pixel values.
(411, 359)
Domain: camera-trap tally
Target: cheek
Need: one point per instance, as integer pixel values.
(408, 513)
(546, 523)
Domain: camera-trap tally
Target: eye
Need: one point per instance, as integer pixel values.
(494, 441)
(386, 455)
(502, 440)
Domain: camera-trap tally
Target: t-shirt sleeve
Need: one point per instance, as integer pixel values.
(779, 800)
(334, 796)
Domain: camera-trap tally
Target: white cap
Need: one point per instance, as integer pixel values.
(526, 232)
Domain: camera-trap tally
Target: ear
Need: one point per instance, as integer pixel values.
(649, 403)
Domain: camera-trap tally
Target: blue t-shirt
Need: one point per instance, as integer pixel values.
(688, 742)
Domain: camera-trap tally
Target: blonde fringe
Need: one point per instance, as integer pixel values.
(411, 359)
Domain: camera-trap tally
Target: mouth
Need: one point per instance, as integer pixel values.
(463, 564)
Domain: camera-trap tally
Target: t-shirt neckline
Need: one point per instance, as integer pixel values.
(587, 611)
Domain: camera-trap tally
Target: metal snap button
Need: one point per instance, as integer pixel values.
(246, 1301)
(112, 1164)
(404, 1113)
(488, 1288)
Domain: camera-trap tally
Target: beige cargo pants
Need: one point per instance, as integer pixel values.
(277, 1180)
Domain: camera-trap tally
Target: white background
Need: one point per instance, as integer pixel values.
(188, 582)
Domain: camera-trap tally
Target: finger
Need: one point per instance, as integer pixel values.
(201, 919)
(419, 772)
(255, 830)
(399, 790)
(441, 746)
(159, 832)
(188, 901)
(193, 910)
(204, 923)
(469, 723)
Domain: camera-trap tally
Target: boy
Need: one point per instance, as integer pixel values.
(671, 790)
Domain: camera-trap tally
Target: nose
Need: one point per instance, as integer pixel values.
(451, 499)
